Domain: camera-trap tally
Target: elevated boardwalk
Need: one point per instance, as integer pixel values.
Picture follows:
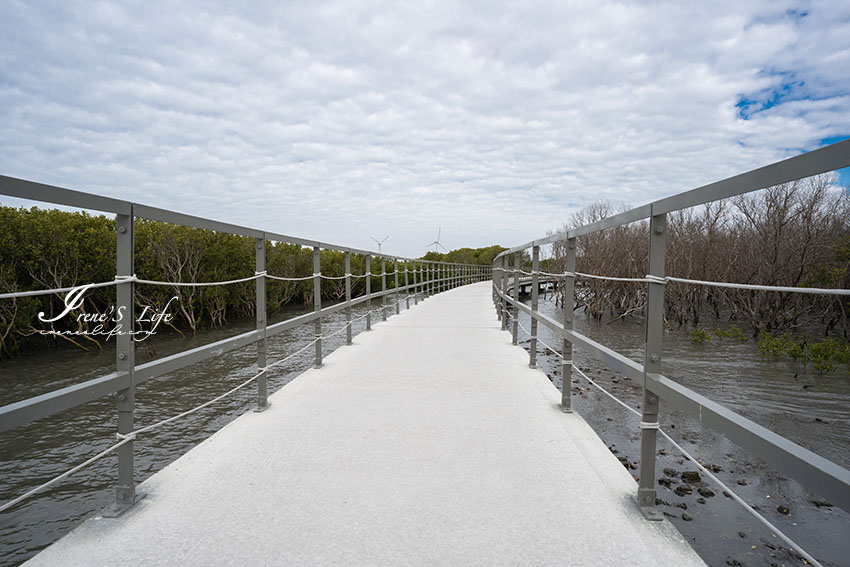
(428, 442)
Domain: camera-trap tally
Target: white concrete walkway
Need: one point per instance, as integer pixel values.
(428, 442)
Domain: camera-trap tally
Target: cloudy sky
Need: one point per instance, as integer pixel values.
(339, 121)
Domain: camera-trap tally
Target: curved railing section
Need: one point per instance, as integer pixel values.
(811, 470)
(419, 279)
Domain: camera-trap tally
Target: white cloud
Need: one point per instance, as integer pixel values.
(344, 120)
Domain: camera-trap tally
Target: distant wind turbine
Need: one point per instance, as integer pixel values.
(436, 243)
(379, 242)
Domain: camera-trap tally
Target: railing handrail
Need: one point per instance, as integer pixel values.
(34, 191)
(428, 277)
(810, 469)
(828, 158)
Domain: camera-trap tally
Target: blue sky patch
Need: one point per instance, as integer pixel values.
(789, 90)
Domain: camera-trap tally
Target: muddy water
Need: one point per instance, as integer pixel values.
(730, 372)
(34, 453)
(768, 391)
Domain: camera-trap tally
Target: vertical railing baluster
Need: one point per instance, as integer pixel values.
(515, 328)
(317, 303)
(383, 289)
(406, 285)
(535, 293)
(368, 292)
(348, 298)
(652, 365)
(497, 286)
(397, 300)
(415, 286)
(569, 310)
(125, 361)
(503, 285)
(260, 267)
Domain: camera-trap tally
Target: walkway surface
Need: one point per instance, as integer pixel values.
(428, 442)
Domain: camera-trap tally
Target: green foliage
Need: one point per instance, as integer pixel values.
(733, 332)
(699, 336)
(826, 355)
(773, 346)
(478, 256)
(42, 249)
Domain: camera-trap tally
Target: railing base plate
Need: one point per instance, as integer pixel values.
(117, 510)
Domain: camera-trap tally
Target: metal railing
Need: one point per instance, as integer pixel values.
(810, 469)
(422, 278)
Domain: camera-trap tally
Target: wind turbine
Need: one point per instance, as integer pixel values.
(436, 243)
(379, 242)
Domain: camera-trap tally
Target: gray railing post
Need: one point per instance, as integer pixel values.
(503, 287)
(383, 289)
(535, 280)
(406, 285)
(317, 303)
(260, 266)
(652, 365)
(125, 362)
(515, 327)
(348, 297)
(569, 310)
(415, 286)
(430, 274)
(497, 286)
(397, 300)
(368, 292)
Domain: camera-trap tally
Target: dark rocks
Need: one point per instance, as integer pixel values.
(783, 509)
(663, 481)
(742, 482)
(701, 500)
(687, 517)
(821, 504)
(707, 492)
(742, 534)
(691, 477)
(660, 502)
(672, 473)
(682, 505)
(726, 494)
(683, 489)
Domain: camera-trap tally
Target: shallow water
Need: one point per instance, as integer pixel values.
(765, 390)
(34, 453)
(728, 371)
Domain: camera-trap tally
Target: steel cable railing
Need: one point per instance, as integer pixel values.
(124, 438)
(811, 470)
(723, 486)
(429, 277)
